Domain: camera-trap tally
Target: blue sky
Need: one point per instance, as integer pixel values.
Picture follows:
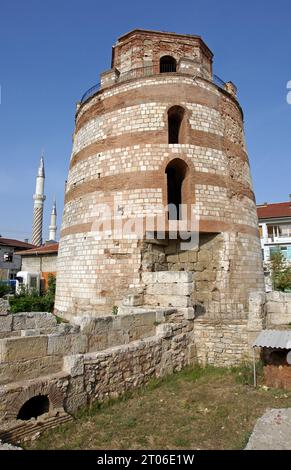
(52, 51)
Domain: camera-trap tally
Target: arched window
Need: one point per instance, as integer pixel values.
(175, 118)
(167, 64)
(176, 171)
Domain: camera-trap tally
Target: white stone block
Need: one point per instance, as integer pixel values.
(173, 276)
(6, 323)
(74, 365)
(165, 330)
(189, 313)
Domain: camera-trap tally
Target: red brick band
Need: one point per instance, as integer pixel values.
(199, 138)
(161, 93)
(205, 226)
(152, 179)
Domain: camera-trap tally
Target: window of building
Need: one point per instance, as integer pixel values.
(167, 64)
(8, 257)
(175, 127)
(176, 172)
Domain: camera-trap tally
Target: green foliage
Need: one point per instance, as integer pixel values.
(4, 289)
(31, 301)
(281, 272)
(244, 374)
(114, 310)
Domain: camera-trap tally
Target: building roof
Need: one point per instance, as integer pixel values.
(15, 243)
(279, 339)
(51, 248)
(276, 210)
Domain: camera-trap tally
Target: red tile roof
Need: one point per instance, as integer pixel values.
(15, 243)
(41, 250)
(269, 211)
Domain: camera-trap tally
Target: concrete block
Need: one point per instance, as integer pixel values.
(17, 349)
(74, 365)
(5, 323)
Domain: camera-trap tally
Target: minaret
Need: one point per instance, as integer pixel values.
(39, 199)
(53, 224)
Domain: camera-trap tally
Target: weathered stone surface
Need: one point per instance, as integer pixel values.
(30, 320)
(67, 343)
(18, 349)
(74, 402)
(74, 365)
(272, 431)
(168, 300)
(4, 307)
(188, 312)
(30, 369)
(183, 288)
(5, 323)
(31, 332)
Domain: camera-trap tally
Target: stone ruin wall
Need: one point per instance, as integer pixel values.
(100, 358)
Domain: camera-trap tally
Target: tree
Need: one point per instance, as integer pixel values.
(280, 271)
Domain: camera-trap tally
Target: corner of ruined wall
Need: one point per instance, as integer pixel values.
(257, 316)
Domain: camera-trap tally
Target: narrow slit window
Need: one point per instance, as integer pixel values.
(175, 119)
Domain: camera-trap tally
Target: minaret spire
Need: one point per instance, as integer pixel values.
(39, 199)
(53, 224)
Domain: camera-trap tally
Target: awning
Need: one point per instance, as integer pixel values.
(280, 339)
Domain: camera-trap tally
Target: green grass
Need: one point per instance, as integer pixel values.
(197, 408)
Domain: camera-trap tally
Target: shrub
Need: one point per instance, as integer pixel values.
(4, 289)
(281, 272)
(32, 301)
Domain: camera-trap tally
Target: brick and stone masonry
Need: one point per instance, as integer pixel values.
(158, 112)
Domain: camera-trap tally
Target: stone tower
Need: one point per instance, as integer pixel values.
(39, 199)
(53, 222)
(160, 129)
